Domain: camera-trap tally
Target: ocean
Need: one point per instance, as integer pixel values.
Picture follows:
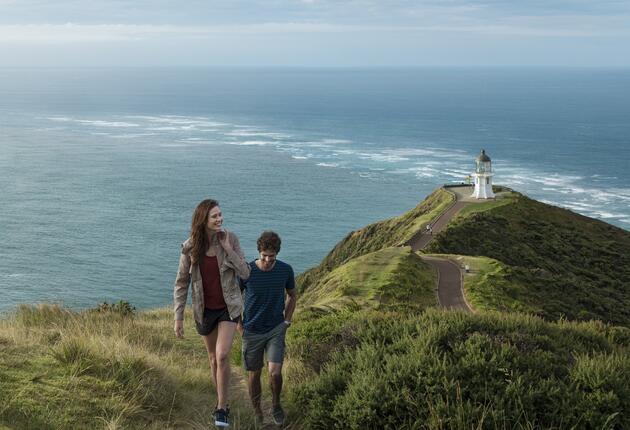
(100, 169)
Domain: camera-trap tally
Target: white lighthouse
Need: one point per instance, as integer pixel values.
(483, 177)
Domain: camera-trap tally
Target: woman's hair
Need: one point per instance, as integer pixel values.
(198, 234)
(269, 241)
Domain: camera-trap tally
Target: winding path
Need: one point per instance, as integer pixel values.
(450, 291)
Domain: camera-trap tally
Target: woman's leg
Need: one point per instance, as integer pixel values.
(225, 336)
(210, 341)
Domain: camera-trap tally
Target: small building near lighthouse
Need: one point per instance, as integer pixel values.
(483, 177)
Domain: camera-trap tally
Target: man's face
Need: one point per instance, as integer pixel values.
(267, 259)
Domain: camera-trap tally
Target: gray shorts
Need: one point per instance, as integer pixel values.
(255, 345)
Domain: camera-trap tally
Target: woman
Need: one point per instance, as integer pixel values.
(212, 261)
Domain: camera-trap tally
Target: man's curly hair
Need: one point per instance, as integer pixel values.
(269, 241)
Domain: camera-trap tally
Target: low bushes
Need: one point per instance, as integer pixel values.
(452, 370)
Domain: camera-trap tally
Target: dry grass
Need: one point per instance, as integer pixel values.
(64, 369)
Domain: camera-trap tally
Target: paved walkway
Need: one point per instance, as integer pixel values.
(422, 238)
(450, 288)
(450, 294)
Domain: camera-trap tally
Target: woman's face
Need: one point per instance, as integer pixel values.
(215, 219)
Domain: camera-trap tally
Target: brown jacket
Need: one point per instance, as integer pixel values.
(231, 267)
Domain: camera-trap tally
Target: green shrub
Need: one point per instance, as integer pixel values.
(122, 308)
(453, 370)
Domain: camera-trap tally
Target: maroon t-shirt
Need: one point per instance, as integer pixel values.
(211, 278)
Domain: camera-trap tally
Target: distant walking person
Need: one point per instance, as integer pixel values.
(270, 300)
(211, 260)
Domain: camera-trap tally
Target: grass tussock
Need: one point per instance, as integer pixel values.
(106, 368)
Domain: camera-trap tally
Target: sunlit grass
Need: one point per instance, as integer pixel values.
(383, 234)
(391, 277)
(65, 369)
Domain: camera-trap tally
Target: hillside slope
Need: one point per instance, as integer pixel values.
(393, 232)
(557, 261)
(106, 368)
(389, 278)
(450, 370)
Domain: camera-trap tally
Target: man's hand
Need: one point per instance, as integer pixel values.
(179, 328)
(239, 327)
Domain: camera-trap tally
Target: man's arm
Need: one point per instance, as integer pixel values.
(289, 305)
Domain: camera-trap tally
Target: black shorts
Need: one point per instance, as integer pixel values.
(211, 320)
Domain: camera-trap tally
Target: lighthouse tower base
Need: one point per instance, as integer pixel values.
(483, 187)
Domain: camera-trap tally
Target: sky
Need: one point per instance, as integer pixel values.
(315, 33)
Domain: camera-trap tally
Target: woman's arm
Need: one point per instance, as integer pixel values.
(232, 247)
(180, 289)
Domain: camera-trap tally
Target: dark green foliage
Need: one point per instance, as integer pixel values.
(122, 307)
(571, 265)
(453, 370)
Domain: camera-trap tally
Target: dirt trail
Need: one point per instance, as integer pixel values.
(238, 389)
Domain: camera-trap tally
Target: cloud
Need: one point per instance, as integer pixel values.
(225, 12)
(86, 33)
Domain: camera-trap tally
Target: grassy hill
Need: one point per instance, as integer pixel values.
(389, 278)
(488, 288)
(392, 232)
(555, 262)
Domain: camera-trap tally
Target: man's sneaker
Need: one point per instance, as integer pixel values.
(221, 417)
(278, 415)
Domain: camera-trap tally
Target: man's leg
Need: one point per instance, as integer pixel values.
(255, 390)
(253, 354)
(275, 382)
(275, 355)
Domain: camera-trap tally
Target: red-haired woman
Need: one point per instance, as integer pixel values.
(212, 261)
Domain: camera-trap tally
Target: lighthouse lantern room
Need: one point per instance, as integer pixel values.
(483, 177)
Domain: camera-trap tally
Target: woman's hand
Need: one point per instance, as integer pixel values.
(224, 241)
(179, 328)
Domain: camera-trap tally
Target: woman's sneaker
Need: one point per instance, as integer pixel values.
(221, 417)
(277, 413)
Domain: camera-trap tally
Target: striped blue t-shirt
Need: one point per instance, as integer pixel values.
(264, 295)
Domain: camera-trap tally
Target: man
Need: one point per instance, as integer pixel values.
(270, 298)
